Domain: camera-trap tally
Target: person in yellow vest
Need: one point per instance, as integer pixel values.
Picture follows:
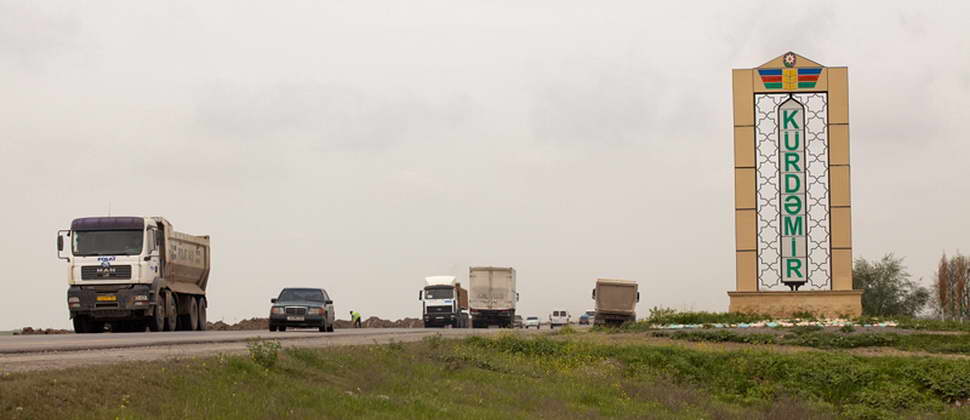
(355, 319)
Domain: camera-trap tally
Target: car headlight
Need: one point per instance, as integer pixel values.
(73, 299)
(315, 311)
(277, 310)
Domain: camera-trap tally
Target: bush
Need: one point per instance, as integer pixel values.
(825, 340)
(566, 330)
(804, 329)
(667, 317)
(264, 353)
(721, 336)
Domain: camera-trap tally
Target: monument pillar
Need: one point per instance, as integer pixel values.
(792, 196)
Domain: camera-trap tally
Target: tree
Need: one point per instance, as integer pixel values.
(887, 289)
(953, 287)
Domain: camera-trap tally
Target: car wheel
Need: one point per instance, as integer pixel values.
(282, 328)
(272, 328)
(81, 326)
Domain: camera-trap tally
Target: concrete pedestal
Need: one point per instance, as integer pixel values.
(826, 304)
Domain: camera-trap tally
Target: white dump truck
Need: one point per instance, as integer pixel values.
(616, 301)
(130, 273)
(444, 302)
(492, 296)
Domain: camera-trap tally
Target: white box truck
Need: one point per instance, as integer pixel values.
(444, 302)
(130, 273)
(492, 296)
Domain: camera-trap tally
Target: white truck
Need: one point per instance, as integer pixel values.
(133, 272)
(616, 301)
(492, 296)
(444, 302)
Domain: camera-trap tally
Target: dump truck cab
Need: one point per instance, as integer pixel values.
(444, 302)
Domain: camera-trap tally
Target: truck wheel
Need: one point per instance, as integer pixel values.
(157, 321)
(203, 323)
(282, 328)
(330, 327)
(171, 311)
(192, 318)
(272, 328)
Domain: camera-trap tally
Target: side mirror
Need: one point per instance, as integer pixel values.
(420, 295)
(60, 244)
(516, 296)
(273, 300)
(328, 302)
(638, 296)
(594, 293)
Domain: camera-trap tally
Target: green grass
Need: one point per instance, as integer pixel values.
(509, 376)
(924, 324)
(933, 343)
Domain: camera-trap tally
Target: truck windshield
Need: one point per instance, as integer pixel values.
(107, 242)
(439, 293)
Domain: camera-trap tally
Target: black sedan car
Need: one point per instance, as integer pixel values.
(302, 308)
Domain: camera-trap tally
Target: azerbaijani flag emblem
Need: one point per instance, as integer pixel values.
(790, 79)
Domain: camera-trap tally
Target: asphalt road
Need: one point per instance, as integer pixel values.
(38, 352)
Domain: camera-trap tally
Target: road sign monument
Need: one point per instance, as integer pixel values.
(793, 211)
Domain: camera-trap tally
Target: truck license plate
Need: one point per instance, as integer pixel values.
(294, 318)
(107, 298)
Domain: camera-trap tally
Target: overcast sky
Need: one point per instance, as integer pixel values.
(363, 145)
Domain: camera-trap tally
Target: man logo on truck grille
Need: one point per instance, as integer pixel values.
(106, 271)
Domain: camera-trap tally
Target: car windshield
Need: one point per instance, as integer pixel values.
(533, 318)
(296, 295)
(591, 313)
(439, 293)
(107, 242)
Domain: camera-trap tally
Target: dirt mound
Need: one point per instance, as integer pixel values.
(41, 331)
(375, 322)
(246, 324)
(372, 322)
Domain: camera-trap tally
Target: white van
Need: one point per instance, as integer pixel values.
(559, 318)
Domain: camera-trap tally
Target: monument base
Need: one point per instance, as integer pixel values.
(821, 303)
